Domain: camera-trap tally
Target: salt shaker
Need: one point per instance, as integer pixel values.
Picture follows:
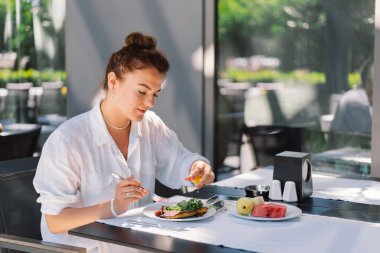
(275, 190)
(290, 193)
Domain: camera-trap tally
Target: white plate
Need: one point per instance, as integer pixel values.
(291, 212)
(151, 209)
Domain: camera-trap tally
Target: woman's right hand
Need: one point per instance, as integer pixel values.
(127, 192)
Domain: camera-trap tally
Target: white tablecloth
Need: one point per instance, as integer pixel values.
(308, 233)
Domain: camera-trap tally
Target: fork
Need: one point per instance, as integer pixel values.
(155, 225)
(153, 196)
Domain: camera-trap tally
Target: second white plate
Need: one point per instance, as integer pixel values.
(291, 212)
(150, 210)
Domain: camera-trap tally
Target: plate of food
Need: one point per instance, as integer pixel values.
(185, 210)
(257, 209)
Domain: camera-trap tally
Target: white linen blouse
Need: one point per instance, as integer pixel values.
(79, 156)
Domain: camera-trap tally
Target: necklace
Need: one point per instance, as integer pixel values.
(115, 127)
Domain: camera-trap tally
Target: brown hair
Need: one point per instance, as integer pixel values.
(140, 51)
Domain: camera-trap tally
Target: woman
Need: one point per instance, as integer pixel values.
(120, 134)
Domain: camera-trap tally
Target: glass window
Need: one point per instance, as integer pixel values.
(295, 75)
(32, 62)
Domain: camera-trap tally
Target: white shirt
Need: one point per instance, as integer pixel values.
(78, 158)
(353, 113)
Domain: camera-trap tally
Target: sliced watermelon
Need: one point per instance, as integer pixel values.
(270, 210)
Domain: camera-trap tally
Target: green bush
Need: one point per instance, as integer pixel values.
(30, 75)
(263, 76)
(354, 79)
(270, 76)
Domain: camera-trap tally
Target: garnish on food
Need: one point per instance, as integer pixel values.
(183, 209)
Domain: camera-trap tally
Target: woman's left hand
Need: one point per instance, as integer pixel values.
(201, 169)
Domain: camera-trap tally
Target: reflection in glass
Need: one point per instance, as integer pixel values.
(288, 63)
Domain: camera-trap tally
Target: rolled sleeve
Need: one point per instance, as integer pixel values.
(54, 205)
(173, 159)
(57, 178)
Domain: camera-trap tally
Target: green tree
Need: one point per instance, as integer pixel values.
(285, 23)
(293, 30)
(23, 33)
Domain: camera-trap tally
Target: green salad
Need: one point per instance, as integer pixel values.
(184, 205)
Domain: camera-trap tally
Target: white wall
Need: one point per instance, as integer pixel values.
(96, 28)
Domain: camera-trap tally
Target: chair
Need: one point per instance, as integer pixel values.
(18, 140)
(164, 191)
(228, 134)
(53, 99)
(267, 141)
(19, 212)
(17, 101)
(3, 98)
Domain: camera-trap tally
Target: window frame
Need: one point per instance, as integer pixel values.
(375, 140)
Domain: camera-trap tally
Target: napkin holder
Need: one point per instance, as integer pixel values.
(296, 167)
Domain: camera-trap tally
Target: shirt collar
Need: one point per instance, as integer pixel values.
(100, 132)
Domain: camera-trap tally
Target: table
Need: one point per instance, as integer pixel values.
(331, 211)
(18, 140)
(146, 241)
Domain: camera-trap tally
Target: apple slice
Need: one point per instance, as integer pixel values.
(245, 205)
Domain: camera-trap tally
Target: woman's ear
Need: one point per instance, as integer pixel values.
(111, 80)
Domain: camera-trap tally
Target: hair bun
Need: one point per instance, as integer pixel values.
(137, 39)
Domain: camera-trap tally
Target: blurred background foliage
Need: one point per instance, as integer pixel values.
(302, 34)
(272, 76)
(34, 30)
(30, 75)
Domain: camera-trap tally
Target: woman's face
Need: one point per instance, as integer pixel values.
(136, 92)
